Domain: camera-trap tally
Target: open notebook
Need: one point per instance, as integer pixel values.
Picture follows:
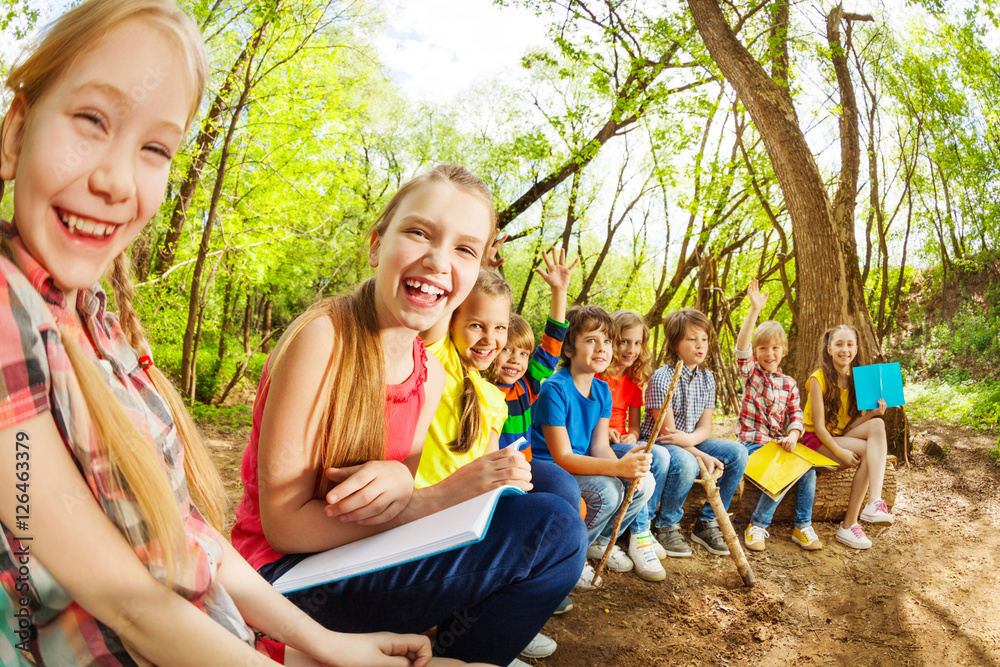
(775, 471)
(448, 529)
(877, 381)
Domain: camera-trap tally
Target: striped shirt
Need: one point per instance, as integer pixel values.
(523, 393)
(771, 404)
(694, 394)
(36, 377)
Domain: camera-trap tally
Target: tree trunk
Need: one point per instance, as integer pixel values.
(266, 333)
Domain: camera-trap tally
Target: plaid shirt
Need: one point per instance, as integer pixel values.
(694, 394)
(36, 377)
(771, 405)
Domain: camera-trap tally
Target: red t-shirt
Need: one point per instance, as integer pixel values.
(625, 394)
(402, 410)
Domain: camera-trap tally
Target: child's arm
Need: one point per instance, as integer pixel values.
(689, 441)
(757, 302)
(634, 419)
(557, 277)
(846, 456)
(601, 461)
(267, 610)
(867, 414)
(793, 414)
(87, 554)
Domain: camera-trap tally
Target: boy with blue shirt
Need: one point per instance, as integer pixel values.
(685, 434)
(570, 427)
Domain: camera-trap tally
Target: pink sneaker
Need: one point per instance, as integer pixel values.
(878, 513)
(853, 537)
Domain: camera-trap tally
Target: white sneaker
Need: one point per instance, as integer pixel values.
(540, 647)
(640, 551)
(878, 513)
(617, 560)
(658, 549)
(853, 537)
(518, 663)
(585, 583)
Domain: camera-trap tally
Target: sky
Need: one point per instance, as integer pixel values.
(437, 48)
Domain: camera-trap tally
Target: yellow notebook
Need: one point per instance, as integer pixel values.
(775, 471)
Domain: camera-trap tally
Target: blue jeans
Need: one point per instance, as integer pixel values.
(661, 463)
(683, 471)
(488, 599)
(548, 477)
(805, 492)
(604, 495)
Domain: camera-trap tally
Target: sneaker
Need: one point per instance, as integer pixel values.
(853, 537)
(658, 549)
(672, 541)
(708, 535)
(584, 583)
(617, 560)
(877, 513)
(565, 605)
(807, 538)
(518, 663)
(754, 537)
(647, 565)
(540, 647)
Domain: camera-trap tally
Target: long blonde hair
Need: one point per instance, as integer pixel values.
(135, 465)
(357, 386)
(641, 369)
(471, 424)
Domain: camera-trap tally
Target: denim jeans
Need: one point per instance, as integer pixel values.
(548, 477)
(683, 471)
(661, 463)
(604, 495)
(488, 599)
(805, 492)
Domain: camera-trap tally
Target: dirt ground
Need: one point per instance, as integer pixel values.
(927, 593)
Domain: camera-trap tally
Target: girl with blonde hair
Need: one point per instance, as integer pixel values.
(340, 420)
(112, 552)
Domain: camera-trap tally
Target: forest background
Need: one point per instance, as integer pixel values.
(845, 155)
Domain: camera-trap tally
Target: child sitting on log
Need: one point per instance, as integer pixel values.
(685, 434)
(570, 427)
(771, 411)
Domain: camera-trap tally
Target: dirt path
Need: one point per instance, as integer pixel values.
(927, 593)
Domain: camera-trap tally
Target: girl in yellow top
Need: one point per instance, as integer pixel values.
(472, 411)
(835, 428)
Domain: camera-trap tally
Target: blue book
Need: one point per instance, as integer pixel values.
(879, 381)
(456, 526)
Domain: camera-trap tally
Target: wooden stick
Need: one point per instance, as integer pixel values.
(634, 485)
(733, 542)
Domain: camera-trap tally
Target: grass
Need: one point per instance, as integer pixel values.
(955, 400)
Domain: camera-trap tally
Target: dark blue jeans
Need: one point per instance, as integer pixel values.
(548, 477)
(487, 600)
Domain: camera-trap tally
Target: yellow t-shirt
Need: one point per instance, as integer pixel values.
(437, 460)
(843, 417)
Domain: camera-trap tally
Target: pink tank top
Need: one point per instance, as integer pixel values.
(402, 410)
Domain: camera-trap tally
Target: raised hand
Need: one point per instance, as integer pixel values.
(493, 258)
(557, 274)
(757, 299)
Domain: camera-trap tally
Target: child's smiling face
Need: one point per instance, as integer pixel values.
(843, 347)
(591, 352)
(693, 346)
(769, 354)
(629, 346)
(512, 364)
(91, 156)
(479, 329)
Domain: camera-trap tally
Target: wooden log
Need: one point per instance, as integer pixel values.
(707, 482)
(634, 484)
(833, 489)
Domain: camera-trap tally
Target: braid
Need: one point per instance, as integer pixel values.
(204, 484)
(470, 426)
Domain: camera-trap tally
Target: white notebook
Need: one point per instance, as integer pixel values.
(457, 526)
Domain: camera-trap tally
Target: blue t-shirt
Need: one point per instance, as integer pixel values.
(560, 403)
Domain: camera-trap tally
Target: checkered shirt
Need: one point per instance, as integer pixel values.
(771, 403)
(694, 394)
(36, 377)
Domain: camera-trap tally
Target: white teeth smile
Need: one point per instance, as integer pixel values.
(424, 287)
(85, 227)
